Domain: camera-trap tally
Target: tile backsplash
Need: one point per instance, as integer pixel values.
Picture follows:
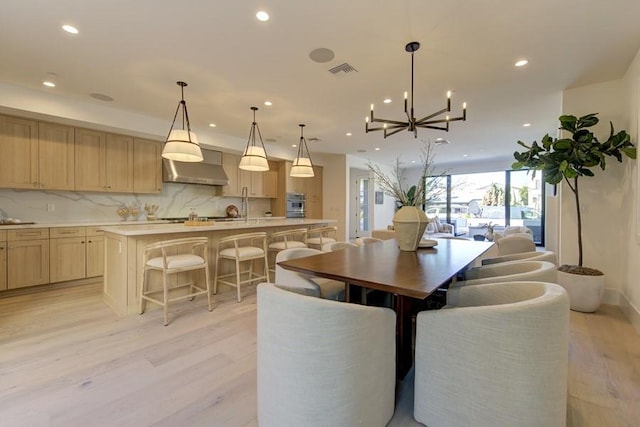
(176, 200)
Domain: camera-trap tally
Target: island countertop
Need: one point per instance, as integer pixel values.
(173, 228)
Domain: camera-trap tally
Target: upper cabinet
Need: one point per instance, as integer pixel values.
(259, 184)
(104, 161)
(36, 155)
(147, 166)
(56, 157)
(18, 153)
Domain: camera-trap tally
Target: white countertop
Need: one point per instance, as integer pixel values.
(143, 229)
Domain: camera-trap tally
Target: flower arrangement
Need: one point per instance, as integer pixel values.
(421, 193)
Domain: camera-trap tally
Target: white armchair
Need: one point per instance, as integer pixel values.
(306, 284)
(529, 256)
(515, 243)
(323, 363)
(497, 357)
(540, 271)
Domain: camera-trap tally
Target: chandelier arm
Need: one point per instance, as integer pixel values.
(391, 122)
(393, 132)
(430, 116)
(446, 129)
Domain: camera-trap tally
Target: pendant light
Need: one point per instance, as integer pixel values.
(254, 157)
(182, 144)
(302, 166)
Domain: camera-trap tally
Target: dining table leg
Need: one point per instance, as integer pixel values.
(405, 308)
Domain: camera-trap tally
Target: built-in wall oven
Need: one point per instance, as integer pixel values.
(295, 205)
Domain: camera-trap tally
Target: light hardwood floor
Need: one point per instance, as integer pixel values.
(67, 360)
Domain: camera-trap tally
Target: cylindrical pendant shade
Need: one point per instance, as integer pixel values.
(302, 168)
(254, 159)
(179, 148)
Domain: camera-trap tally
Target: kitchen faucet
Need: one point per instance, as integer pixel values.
(244, 207)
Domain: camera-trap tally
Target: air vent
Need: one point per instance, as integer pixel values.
(441, 141)
(342, 69)
(313, 139)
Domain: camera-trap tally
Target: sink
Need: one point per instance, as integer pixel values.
(11, 221)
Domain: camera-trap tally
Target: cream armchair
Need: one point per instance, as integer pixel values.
(498, 356)
(305, 284)
(529, 256)
(323, 363)
(540, 271)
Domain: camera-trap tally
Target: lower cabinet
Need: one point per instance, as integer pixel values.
(3, 260)
(27, 257)
(76, 253)
(67, 257)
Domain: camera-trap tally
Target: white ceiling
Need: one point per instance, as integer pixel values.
(135, 51)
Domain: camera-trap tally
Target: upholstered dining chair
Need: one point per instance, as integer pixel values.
(323, 363)
(529, 256)
(498, 356)
(286, 239)
(541, 271)
(306, 284)
(367, 240)
(515, 243)
(338, 246)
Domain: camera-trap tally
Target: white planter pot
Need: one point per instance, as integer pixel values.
(585, 292)
(409, 224)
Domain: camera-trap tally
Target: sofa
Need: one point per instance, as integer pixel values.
(444, 230)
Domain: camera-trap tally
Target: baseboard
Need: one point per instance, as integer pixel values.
(631, 311)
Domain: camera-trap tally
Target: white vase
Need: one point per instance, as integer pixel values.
(585, 292)
(409, 224)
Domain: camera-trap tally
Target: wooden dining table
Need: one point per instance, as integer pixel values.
(410, 276)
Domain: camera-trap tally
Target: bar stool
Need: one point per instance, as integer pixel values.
(173, 257)
(287, 239)
(320, 236)
(241, 248)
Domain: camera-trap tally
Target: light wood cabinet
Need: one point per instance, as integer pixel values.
(3, 260)
(147, 166)
(27, 257)
(95, 252)
(18, 153)
(310, 187)
(104, 162)
(259, 184)
(230, 164)
(67, 259)
(56, 157)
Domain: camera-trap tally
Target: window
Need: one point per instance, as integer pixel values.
(500, 198)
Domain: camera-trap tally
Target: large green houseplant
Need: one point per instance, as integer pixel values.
(569, 159)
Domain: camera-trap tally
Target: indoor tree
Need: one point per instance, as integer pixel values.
(569, 159)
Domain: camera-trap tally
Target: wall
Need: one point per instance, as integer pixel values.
(335, 193)
(630, 290)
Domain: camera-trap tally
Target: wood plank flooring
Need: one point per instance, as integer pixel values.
(67, 360)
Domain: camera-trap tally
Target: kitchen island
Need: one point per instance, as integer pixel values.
(124, 249)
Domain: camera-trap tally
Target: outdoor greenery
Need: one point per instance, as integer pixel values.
(571, 158)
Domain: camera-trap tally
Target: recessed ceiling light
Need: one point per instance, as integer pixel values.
(212, 125)
(268, 103)
(522, 63)
(527, 125)
(464, 155)
(70, 29)
(262, 16)
(387, 101)
(413, 161)
(49, 83)
(294, 145)
(377, 148)
(349, 134)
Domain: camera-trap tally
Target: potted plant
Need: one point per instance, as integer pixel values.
(568, 159)
(410, 220)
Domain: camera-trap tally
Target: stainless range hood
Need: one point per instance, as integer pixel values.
(207, 172)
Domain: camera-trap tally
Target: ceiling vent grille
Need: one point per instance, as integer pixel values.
(342, 69)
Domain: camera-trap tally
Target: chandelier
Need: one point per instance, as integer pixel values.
(254, 157)
(182, 144)
(302, 166)
(432, 121)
